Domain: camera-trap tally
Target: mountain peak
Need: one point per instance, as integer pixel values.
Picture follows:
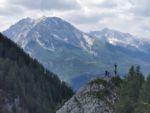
(118, 38)
(105, 29)
(41, 19)
(111, 31)
(53, 19)
(26, 20)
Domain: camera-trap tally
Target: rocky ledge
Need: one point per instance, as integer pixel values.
(98, 96)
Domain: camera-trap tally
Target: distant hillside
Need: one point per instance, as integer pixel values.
(25, 85)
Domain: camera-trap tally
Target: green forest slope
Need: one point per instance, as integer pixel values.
(25, 86)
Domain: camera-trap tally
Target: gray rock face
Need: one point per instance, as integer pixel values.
(98, 96)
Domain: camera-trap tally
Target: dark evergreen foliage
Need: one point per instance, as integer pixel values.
(25, 80)
(134, 93)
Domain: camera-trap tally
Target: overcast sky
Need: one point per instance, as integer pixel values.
(131, 16)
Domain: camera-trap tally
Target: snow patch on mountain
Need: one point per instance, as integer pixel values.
(65, 39)
(42, 44)
(88, 40)
(37, 21)
(83, 46)
(115, 41)
(118, 38)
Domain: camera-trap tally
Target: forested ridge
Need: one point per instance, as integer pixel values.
(25, 85)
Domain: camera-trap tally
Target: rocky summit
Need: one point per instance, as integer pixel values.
(98, 96)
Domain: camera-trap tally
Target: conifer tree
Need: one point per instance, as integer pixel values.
(130, 91)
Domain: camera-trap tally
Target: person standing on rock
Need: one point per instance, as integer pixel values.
(115, 65)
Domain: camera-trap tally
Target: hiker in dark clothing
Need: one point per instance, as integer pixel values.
(115, 69)
(106, 73)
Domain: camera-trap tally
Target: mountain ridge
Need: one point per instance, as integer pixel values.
(115, 37)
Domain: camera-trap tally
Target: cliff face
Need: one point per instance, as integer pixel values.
(98, 96)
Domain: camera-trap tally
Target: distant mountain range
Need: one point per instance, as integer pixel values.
(125, 40)
(69, 52)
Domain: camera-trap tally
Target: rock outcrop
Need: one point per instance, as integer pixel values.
(98, 96)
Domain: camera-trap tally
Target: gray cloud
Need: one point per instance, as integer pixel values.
(11, 10)
(146, 28)
(107, 4)
(93, 18)
(46, 4)
(141, 7)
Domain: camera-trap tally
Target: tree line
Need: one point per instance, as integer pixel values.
(134, 93)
